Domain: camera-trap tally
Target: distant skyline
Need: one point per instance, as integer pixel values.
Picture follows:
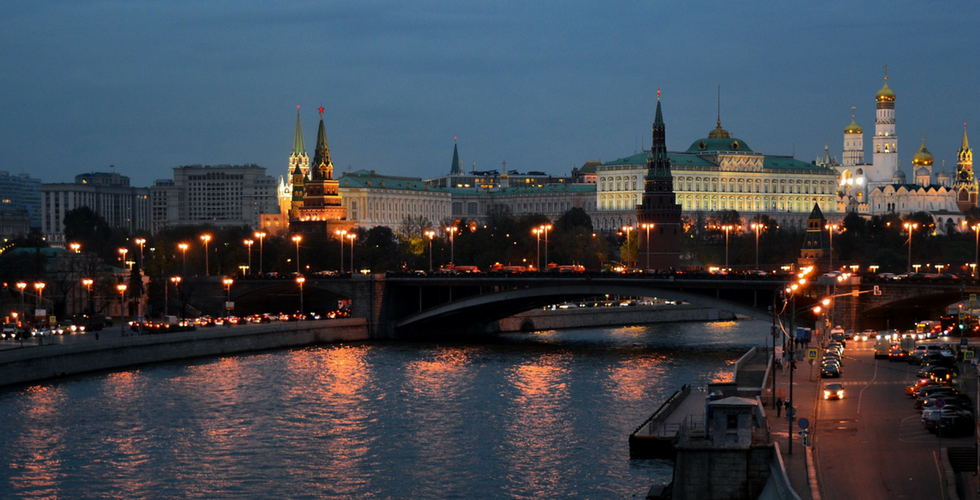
(149, 86)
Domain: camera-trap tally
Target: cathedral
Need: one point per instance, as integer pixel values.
(882, 188)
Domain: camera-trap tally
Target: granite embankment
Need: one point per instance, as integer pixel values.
(585, 317)
(34, 363)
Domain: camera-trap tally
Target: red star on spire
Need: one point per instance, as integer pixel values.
(297, 107)
(321, 110)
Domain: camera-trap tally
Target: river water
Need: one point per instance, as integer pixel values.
(521, 416)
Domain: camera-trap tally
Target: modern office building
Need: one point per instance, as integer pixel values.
(220, 195)
(107, 194)
(21, 194)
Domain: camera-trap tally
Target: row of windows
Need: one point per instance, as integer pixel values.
(729, 185)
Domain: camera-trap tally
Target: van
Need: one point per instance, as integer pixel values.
(882, 345)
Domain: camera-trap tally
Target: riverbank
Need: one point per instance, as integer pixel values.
(585, 317)
(35, 363)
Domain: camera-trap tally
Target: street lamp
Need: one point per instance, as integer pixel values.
(976, 249)
(910, 226)
(628, 230)
(430, 234)
(340, 235)
(176, 281)
(452, 246)
(206, 238)
(140, 242)
(249, 244)
(21, 286)
(648, 226)
(87, 283)
(75, 247)
(830, 230)
(40, 291)
(537, 232)
(757, 227)
(727, 228)
(228, 282)
(297, 239)
(791, 291)
(183, 249)
(299, 281)
(261, 236)
(122, 307)
(351, 237)
(546, 228)
(122, 253)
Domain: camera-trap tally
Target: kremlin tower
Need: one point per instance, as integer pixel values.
(965, 185)
(659, 210)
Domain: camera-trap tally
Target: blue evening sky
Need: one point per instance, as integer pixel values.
(543, 85)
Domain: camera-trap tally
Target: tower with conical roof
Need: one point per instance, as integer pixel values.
(965, 185)
(814, 243)
(853, 143)
(298, 158)
(659, 205)
(316, 197)
(457, 167)
(885, 143)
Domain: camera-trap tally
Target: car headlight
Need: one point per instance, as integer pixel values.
(840, 394)
(826, 394)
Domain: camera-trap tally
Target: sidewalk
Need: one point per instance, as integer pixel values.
(799, 467)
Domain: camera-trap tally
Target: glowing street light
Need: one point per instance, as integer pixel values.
(831, 228)
(122, 306)
(261, 236)
(299, 281)
(297, 239)
(430, 234)
(176, 281)
(627, 230)
(75, 247)
(351, 237)
(21, 286)
(757, 227)
(340, 235)
(249, 244)
(452, 246)
(648, 226)
(228, 282)
(206, 238)
(122, 255)
(141, 242)
(537, 232)
(87, 283)
(910, 226)
(183, 249)
(727, 228)
(976, 249)
(546, 228)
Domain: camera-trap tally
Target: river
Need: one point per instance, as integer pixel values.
(520, 416)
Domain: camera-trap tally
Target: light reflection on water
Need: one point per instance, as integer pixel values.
(545, 414)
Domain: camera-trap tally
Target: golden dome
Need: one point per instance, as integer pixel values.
(922, 157)
(885, 94)
(853, 128)
(719, 132)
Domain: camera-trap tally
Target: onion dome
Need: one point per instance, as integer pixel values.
(922, 157)
(885, 94)
(898, 177)
(853, 128)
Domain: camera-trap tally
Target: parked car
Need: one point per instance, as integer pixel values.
(830, 371)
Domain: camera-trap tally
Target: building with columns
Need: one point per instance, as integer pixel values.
(106, 193)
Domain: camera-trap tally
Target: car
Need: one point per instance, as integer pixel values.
(830, 371)
(948, 421)
(897, 354)
(865, 335)
(947, 392)
(930, 389)
(834, 355)
(919, 384)
(833, 391)
(943, 368)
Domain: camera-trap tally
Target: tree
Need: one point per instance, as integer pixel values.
(575, 217)
(84, 226)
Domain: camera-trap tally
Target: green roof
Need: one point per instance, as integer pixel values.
(369, 179)
(719, 144)
(702, 160)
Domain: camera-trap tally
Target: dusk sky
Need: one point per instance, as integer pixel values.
(151, 85)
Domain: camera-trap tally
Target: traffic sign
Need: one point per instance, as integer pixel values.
(940, 402)
(973, 297)
(811, 353)
(967, 355)
(804, 423)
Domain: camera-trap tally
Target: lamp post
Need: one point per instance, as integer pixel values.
(546, 228)
(452, 246)
(39, 286)
(297, 239)
(976, 248)
(728, 228)
(911, 226)
(757, 226)
(122, 256)
(228, 282)
(261, 236)
(87, 283)
(176, 281)
(183, 249)
(791, 291)
(21, 286)
(831, 228)
(340, 236)
(537, 232)
(122, 307)
(351, 237)
(627, 230)
(206, 238)
(648, 226)
(299, 281)
(249, 243)
(141, 242)
(430, 234)
(75, 247)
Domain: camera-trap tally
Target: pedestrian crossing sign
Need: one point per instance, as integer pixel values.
(811, 354)
(967, 355)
